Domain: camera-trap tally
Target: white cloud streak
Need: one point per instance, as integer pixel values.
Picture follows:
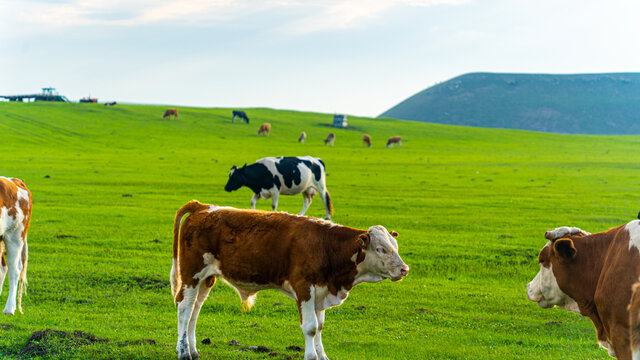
(317, 15)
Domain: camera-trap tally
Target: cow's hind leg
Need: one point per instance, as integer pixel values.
(306, 197)
(3, 265)
(13, 243)
(309, 326)
(317, 340)
(274, 201)
(203, 291)
(185, 309)
(254, 199)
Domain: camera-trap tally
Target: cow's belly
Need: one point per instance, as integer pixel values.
(325, 299)
(296, 189)
(248, 286)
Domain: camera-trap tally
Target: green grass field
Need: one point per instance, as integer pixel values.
(471, 206)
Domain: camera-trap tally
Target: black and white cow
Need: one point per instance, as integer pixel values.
(269, 177)
(240, 114)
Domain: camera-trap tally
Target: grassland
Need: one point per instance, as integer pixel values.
(471, 206)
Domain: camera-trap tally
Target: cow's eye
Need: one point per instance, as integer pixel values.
(381, 250)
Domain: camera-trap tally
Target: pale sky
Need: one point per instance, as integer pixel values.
(358, 57)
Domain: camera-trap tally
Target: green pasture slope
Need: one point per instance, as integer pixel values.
(471, 206)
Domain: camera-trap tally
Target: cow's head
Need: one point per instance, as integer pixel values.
(549, 287)
(236, 178)
(382, 260)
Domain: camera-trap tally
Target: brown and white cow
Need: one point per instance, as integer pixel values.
(15, 214)
(394, 140)
(264, 129)
(366, 140)
(314, 262)
(591, 274)
(330, 139)
(170, 112)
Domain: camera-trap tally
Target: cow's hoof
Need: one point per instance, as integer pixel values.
(184, 357)
(195, 355)
(9, 312)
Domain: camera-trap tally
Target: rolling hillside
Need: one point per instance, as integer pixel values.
(573, 104)
(471, 206)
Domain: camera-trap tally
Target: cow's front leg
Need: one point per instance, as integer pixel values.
(309, 326)
(317, 340)
(14, 245)
(274, 201)
(254, 199)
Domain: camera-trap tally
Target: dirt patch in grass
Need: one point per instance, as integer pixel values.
(50, 342)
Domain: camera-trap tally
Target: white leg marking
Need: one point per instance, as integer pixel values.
(307, 201)
(309, 326)
(203, 292)
(13, 243)
(185, 308)
(274, 201)
(317, 340)
(254, 199)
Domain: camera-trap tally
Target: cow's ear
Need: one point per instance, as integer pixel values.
(244, 166)
(564, 247)
(364, 240)
(394, 233)
(234, 167)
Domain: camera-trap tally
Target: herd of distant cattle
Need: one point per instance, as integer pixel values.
(317, 262)
(265, 129)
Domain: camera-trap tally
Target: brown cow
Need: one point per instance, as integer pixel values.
(591, 274)
(303, 137)
(330, 139)
(366, 140)
(15, 205)
(170, 112)
(314, 262)
(394, 140)
(264, 128)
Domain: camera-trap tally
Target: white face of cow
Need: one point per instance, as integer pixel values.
(382, 259)
(544, 288)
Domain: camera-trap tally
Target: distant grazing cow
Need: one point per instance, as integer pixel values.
(241, 115)
(366, 140)
(330, 139)
(15, 205)
(303, 137)
(314, 262)
(264, 129)
(170, 112)
(394, 140)
(269, 177)
(592, 274)
(110, 103)
(634, 321)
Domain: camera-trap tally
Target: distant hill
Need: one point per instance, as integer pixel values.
(575, 104)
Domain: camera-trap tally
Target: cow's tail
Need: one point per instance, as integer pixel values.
(23, 274)
(190, 207)
(329, 203)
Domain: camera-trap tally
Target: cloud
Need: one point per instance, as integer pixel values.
(309, 15)
(346, 14)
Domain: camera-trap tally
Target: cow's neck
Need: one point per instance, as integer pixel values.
(592, 251)
(253, 179)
